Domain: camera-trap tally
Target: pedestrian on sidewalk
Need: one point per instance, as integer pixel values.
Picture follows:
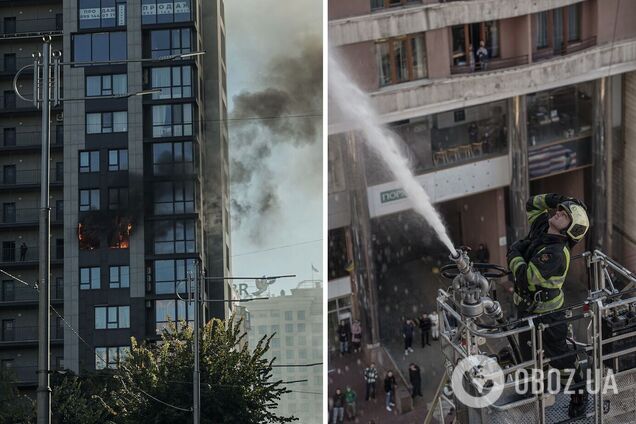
(343, 337)
(370, 377)
(435, 325)
(407, 333)
(389, 390)
(425, 328)
(415, 378)
(350, 401)
(338, 407)
(356, 336)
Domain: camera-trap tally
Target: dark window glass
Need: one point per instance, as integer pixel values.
(9, 136)
(173, 158)
(118, 46)
(118, 160)
(173, 197)
(8, 291)
(117, 198)
(169, 42)
(8, 213)
(99, 46)
(82, 51)
(174, 236)
(89, 161)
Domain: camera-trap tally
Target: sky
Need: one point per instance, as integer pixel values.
(274, 68)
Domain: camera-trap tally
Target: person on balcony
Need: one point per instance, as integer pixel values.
(482, 55)
(23, 252)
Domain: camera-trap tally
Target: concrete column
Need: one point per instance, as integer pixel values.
(519, 186)
(600, 209)
(365, 288)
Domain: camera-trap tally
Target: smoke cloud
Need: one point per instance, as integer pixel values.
(286, 113)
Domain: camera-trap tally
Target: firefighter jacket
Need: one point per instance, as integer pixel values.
(540, 263)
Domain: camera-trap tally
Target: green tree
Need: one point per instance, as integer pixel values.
(235, 380)
(79, 400)
(15, 408)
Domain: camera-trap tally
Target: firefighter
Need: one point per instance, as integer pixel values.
(540, 264)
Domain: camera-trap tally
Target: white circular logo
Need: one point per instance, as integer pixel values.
(486, 376)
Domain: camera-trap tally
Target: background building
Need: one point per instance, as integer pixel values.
(22, 25)
(548, 111)
(295, 320)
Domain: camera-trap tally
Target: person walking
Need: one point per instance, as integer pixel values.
(370, 377)
(434, 325)
(350, 402)
(415, 377)
(343, 337)
(539, 265)
(356, 336)
(407, 333)
(389, 390)
(23, 251)
(425, 328)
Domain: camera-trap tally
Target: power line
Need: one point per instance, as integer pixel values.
(315, 364)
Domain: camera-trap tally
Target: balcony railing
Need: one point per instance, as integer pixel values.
(490, 65)
(573, 47)
(25, 374)
(16, 255)
(30, 139)
(22, 293)
(8, 66)
(28, 334)
(26, 177)
(24, 27)
(12, 103)
(28, 215)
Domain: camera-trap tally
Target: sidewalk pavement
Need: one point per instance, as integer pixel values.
(348, 370)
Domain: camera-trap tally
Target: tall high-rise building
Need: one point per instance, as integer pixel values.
(139, 183)
(22, 26)
(145, 176)
(494, 101)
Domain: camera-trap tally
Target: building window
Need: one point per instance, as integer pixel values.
(174, 82)
(102, 46)
(466, 40)
(300, 315)
(289, 315)
(110, 357)
(541, 40)
(8, 291)
(574, 22)
(111, 317)
(89, 200)
(402, 59)
(102, 13)
(301, 327)
(165, 11)
(172, 274)
(178, 313)
(106, 122)
(119, 277)
(289, 340)
(89, 278)
(117, 198)
(289, 328)
(381, 4)
(89, 161)
(172, 120)
(174, 237)
(173, 197)
(170, 42)
(106, 85)
(173, 158)
(118, 160)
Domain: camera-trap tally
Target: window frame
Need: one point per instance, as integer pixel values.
(183, 70)
(172, 48)
(182, 197)
(113, 315)
(121, 272)
(146, 7)
(183, 149)
(108, 126)
(105, 353)
(94, 278)
(93, 193)
(407, 41)
(122, 198)
(180, 309)
(90, 56)
(111, 81)
(175, 124)
(91, 155)
(174, 227)
(121, 163)
(177, 268)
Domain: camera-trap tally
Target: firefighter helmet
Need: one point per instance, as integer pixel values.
(578, 215)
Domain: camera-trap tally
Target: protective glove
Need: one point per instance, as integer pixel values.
(518, 248)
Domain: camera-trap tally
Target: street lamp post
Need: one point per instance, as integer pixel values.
(42, 98)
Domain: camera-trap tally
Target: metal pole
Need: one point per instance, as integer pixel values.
(197, 373)
(44, 389)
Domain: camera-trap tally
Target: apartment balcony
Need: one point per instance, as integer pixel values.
(12, 255)
(30, 141)
(20, 336)
(10, 65)
(20, 218)
(30, 28)
(22, 295)
(10, 179)
(572, 47)
(490, 65)
(424, 97)
(412, 19)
